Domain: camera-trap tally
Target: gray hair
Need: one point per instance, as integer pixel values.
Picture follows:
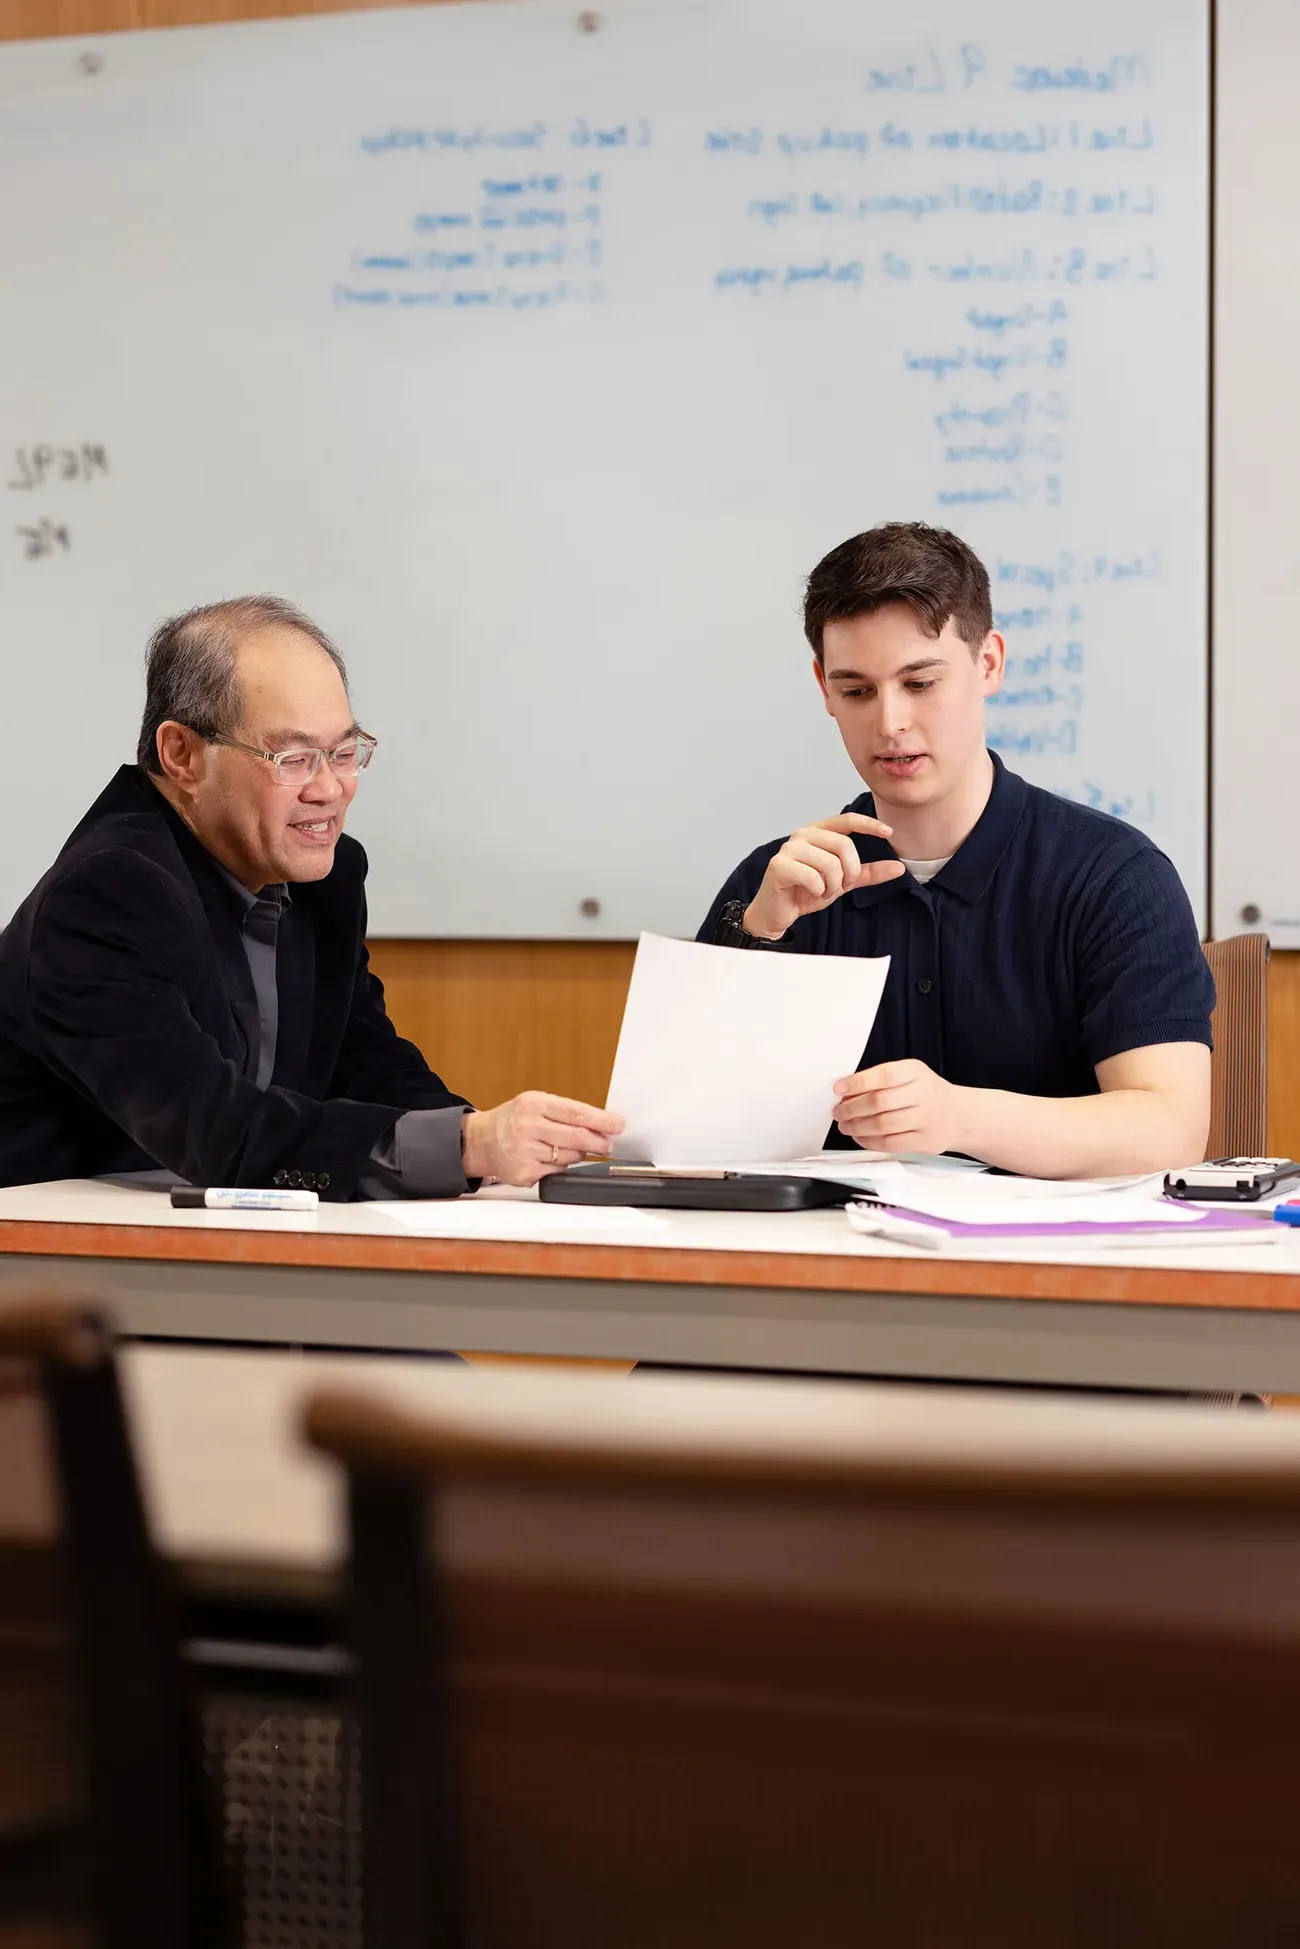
(189, 669)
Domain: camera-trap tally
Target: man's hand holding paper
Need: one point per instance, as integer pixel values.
(902, 1106)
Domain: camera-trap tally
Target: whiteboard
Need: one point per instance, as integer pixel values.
(540, 354)
(1256, 794)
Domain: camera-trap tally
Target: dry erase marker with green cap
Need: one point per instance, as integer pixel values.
(193, 1197)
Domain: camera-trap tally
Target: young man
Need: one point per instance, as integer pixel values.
(1048, 1004)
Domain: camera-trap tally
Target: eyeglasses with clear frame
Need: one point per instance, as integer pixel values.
(299, 766)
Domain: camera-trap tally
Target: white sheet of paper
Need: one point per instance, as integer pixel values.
(957, 1187)
(729, 1053)
(857, 1167)
(989, 1200)
(522, 1218)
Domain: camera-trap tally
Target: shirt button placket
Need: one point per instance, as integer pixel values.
(926, 1030)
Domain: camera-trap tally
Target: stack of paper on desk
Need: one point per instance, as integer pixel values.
(987, 1198)
(963, 1203)
(725, 1053)
(980, 1208)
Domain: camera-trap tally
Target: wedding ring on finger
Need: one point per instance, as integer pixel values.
(555, 1153)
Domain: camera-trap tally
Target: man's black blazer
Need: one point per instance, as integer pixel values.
(127, 1010)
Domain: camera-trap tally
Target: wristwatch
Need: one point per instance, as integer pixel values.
(731, 932)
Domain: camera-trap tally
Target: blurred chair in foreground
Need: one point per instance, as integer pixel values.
(1239, 1066)
(104, 1835)
(693, 1665)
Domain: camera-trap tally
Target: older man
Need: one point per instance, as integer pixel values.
(188, 988)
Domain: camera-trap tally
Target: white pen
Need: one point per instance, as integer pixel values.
(899, 1231)
(193, 1197)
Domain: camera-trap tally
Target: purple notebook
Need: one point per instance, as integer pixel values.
(1229, 1220)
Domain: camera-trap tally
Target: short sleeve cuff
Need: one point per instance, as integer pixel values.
(1119, 1040)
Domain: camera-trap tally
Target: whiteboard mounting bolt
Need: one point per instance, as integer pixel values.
(588, 23)
(1251, 915)
(90, 62)
(589, 909)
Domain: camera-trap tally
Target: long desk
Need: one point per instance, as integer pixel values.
(784, 1292)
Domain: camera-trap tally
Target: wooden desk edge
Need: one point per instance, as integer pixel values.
(1090, 1283)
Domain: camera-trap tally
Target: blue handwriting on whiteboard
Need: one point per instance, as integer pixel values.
(1022, 742)
(1008, 452)
(549, 185)
(1038, 697)
(1018, 492)
(853, 142)
(1138, 808)
(744, 142)
(824, 273)
(1032, 198)
(468, 140)
(929, 73)
(747, 277)
(498, 298)
(757, 277)
(1042, 617)
(940, 365)
(619, 135)
(1019, 142)
(1069, 267)
(999, 323)
(1069, 569)
(1017, 411)
(1039, 137)
(1121, 71)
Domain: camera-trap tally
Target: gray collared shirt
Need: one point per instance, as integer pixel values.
(421, 1155)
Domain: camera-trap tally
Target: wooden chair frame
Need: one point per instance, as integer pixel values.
(145, 1859)
(417, 1869)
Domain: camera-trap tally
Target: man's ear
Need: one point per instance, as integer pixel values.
(992, 659)
(820, 675)
(181, 753)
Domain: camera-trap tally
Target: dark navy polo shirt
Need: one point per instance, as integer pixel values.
(1055, 937)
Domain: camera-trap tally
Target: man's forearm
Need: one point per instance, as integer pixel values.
(1111, 1135)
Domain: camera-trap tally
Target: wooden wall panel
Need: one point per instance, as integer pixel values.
(1284, 1055)
(31, 19)
(496, 1017)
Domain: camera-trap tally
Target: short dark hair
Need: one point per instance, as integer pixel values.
(190, 672)
(938, 577)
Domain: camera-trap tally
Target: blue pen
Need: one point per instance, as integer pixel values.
(1288, 1214)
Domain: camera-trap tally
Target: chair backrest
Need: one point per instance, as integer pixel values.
(103, 1817)
(710, 1663)
(1239, 1068)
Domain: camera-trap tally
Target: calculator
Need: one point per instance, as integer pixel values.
(1243, 1179)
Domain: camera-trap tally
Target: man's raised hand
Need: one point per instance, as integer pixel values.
(814, 867)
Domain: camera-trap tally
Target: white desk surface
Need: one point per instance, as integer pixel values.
(819, 1233)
